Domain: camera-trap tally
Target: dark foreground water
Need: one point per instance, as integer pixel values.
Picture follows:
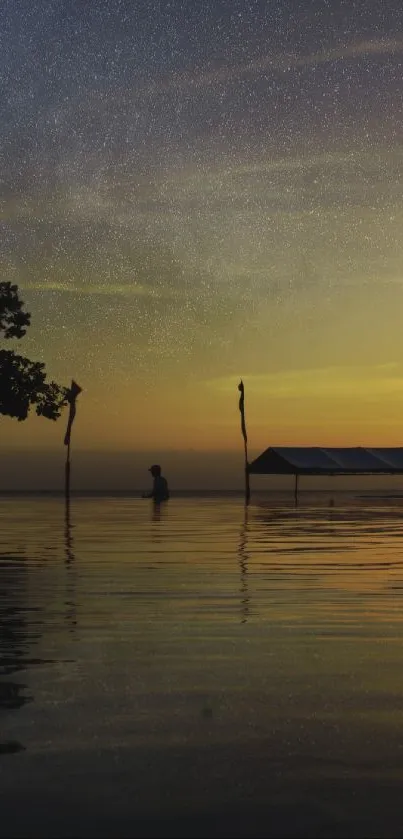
(200, 670)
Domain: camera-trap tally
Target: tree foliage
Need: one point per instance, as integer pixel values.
(23, 382)
(13, 321)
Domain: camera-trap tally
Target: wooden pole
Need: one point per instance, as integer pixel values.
(296, 488)
(241, 389)
(72, 394)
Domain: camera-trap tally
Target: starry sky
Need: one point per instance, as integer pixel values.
(192, 192)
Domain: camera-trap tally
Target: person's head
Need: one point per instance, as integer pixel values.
(155, 470)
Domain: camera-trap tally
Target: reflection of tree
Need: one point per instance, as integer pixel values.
(14, 642)
(243, 566)
(14, 638)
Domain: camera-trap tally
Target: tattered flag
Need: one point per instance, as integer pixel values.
(242, 410)
(71, 398)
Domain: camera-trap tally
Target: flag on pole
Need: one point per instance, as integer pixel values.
(71, 398)
(242, 410)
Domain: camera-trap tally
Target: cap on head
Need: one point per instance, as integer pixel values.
(155, 470)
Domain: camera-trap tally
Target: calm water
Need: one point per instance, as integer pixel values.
(201, 670)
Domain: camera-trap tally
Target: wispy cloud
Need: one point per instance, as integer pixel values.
(195, 180)
(211, 76)
(273, 62)
(325, 383)
(123, 289)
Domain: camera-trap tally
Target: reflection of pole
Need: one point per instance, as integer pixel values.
(71, 615)
(67, 476)
(68, 541)
(243, 567)
(296, 489)
(247, 485)
(241, 389)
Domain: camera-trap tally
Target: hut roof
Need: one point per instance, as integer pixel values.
(307, 460)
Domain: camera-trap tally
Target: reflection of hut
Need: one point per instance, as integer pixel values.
(307, 460)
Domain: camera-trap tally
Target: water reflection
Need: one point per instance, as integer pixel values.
(71, 606)
(262, 612)
(68, 534)
(243, 565)
(14, 643)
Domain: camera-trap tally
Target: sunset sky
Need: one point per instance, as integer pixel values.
(192, 192)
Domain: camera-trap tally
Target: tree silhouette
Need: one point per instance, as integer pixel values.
(23, 382)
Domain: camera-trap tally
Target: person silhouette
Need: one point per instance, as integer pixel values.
(160, 490)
